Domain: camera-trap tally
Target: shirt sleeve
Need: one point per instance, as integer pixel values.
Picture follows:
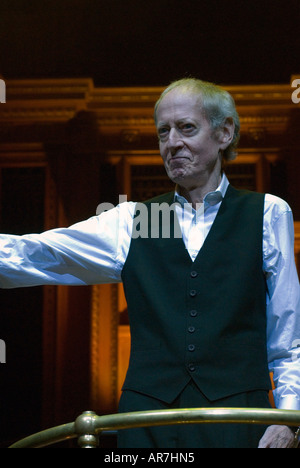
(89, 252)
(283, 303)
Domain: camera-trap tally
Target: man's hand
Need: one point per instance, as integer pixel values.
(277, 437)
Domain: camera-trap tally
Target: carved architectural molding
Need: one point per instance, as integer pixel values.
(130, 110)
(104, 347)
(18, 153)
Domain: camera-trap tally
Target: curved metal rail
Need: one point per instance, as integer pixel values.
(88, 426)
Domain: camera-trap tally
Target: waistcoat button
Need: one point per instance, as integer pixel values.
(192, 367)
(193, 292)
(193, 313)
(191, 329)
(191, 347)
(194, 274)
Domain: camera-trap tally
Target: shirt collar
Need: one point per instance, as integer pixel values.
(211, 198)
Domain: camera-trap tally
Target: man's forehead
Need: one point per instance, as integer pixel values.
(179, 102)
(180, 94)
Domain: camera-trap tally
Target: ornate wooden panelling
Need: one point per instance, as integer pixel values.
(104, 348)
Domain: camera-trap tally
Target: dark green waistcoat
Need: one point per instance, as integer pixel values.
(203, 320)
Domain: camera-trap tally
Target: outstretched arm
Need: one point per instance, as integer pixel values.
(89, 252)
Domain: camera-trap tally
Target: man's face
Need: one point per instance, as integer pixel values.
(190, 150)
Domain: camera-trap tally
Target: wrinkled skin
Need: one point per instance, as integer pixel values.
(277, 437)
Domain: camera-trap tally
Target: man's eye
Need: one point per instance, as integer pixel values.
(187, 127)
(163, 132)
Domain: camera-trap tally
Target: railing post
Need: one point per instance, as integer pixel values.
(85, 428)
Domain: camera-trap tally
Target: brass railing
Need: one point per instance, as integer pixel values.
(88, 426)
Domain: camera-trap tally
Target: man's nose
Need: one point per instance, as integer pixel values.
(175, 140)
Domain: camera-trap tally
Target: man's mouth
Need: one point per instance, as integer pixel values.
(178, 158)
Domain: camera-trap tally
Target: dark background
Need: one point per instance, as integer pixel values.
(150, 42)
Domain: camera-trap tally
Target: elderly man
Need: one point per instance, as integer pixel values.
(209, 310)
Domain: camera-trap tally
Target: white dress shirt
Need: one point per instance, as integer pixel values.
(94, 251)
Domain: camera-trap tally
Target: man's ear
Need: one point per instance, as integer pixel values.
(226, 133)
